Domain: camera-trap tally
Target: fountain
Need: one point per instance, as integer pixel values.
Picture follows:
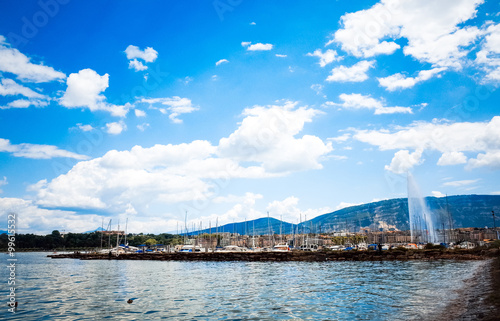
(422, 222)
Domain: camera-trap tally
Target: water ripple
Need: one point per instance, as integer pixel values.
(94, 290)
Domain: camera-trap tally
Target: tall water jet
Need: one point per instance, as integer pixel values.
(422, 224)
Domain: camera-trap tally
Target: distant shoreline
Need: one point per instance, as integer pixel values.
(305, 256)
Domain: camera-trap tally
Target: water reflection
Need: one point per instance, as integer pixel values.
(98, 290)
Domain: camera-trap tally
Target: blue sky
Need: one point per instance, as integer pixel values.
(231, 109)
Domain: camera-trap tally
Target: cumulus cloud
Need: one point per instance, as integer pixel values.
(326, 57)
(403, 161)
(450, 139)
(399, 81)
(358, 101)
(135, 55)
(35, 151)
(171, 106)
(14, 62)
(437, 194)
(432, 29)
(33, 219)
(115, 128)
(25, 103)
(85, 128)
(84, 90)
(257, 46)
(489, 55)
(9, 87)
(136, 65)
(139, 113)
(355, 73)
(489, 159)
(281, 56)
(288, 210)
(148, 54)
(452, 158)
(189, 172)
(267, 135)
(221, 62)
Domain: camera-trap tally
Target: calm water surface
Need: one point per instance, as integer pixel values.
(67, 289)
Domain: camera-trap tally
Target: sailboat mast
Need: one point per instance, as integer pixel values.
(126, 225)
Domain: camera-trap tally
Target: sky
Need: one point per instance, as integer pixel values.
(213, 112)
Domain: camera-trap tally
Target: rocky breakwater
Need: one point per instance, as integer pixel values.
(319, 256)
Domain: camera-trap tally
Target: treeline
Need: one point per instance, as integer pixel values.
(74, 241)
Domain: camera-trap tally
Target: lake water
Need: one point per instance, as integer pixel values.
(67, 289)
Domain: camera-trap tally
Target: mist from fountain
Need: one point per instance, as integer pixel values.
(422, 220)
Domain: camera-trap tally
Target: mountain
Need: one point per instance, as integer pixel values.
(465, 211)
(259, 226)
(96, 230)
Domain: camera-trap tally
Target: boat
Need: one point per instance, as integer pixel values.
(280, 248)
(189, 249)
(233, 248)
(309, 247)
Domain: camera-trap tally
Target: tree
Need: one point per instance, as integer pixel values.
(151, 242)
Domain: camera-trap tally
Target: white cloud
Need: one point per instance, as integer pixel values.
(173, 106)
(84, 90)
(355, 73)
(32, 219)
(115, 128)
(221, 62)
(318, 88)
(489, 55)
(142, 176)
(136, 65)
(451, 139)
(25, 103)
(85, 128)
(142, 127)
(172, 174)
(36, 151)
(358, 101)
(452, 158)
(14, 62)
(139, 113)
(325, 58)
(403, 161)
(438, 194)
(289, 211)
(281, 56)
(252, 23)
(461, 183)
(431, 29)
(342, 138)
(399, 81)
(489, 159)
(267, 135)
(3, 182)
(345, 205)
(257, 46)
(148, 54)
(9, 87)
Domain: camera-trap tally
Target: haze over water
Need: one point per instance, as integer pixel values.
(67, 289)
